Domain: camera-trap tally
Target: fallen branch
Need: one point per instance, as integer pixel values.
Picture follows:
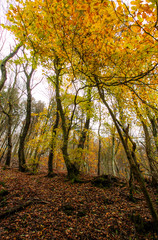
(21, 207)
(16, 209)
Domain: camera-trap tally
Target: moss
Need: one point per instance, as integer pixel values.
(104, 181)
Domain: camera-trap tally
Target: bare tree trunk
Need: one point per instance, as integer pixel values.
(53, 145)
(99, 146)
(21, 153)
(9, 151)
(113, 153)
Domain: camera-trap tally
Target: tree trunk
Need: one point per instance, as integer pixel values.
(21, 151)
(154, 126)
(53, 145)
(131, 189)
(3, 65)
(84, 132)
(72, 169)
(113, 154)
(9, 151)
(99, 146)
(148, 145)
(150, 155)
(132, 161)
(3, 153)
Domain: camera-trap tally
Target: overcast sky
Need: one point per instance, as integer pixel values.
(40, 92)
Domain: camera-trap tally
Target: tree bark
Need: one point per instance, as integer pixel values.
(9, 135)
(53, 145)
(99, 146)
(21, 153)
(72, 169)
(113, 153)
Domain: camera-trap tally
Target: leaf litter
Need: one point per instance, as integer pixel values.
(37, 207)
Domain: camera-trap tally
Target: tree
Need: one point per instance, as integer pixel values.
(9, 106)
(148, 141)
(21, 154)
(131, 157)
(96, 39)
(53, 145)
(3, 65)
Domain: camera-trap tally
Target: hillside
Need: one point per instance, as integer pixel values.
(38, 207)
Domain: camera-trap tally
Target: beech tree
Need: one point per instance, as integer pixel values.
(23, 134)
(3, 64)
(108, 43)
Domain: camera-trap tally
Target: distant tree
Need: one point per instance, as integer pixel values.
(9, 106)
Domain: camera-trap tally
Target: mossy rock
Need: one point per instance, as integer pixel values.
(104, 181)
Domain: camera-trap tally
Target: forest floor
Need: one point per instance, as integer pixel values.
(38, 207)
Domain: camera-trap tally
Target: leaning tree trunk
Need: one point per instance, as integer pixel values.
(3, 65)
(21, 151)
(132, 161)
(148, 145)
(150, 155)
